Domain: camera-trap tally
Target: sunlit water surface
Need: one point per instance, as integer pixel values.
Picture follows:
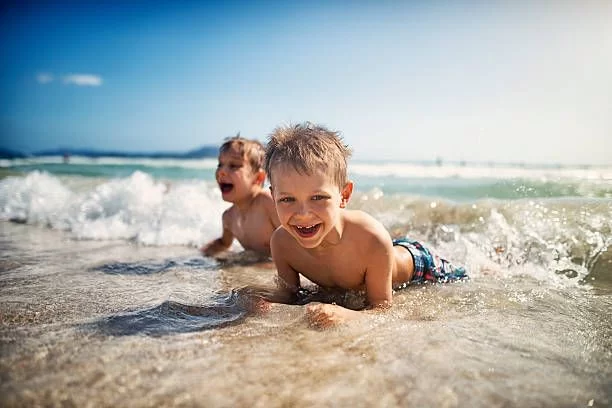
(106, 301)
(162, 327)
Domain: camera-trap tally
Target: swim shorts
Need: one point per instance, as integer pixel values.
(429, 266)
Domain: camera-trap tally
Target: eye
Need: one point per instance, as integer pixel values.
(319, 197)
(235, 166)
(286, 200)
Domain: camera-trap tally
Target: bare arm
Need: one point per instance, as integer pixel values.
(379, 275)
(220, 244)
(288, 278)
(378, 282)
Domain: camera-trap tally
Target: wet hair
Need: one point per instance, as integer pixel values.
(252, 150)
(308, 147)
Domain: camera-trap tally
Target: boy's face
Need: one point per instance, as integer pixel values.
(234, 175)
(308, 206)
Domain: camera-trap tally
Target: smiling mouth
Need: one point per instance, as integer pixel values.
(307, 231)
(226, 187)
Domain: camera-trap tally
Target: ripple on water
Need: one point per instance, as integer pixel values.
(174, 317)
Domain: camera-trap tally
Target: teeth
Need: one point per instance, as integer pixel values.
(304, 227)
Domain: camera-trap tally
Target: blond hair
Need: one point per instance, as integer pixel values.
(252, 150)
(308, 147)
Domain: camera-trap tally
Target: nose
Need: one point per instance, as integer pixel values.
(302, 209)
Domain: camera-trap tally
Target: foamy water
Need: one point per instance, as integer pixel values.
(105, 299)
(376, 169)
(136, 208)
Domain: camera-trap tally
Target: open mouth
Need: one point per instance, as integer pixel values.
(226, 187)
(307, 231)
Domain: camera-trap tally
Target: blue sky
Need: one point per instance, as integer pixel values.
(515, 81)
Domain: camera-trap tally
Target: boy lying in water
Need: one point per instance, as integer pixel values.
(322, 240)
(252, 217)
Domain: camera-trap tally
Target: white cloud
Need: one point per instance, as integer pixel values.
(83, 80)
(71, 79)
(44, 78)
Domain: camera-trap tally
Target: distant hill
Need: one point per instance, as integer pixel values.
(205, 151)
(199, 153)
(10, 154)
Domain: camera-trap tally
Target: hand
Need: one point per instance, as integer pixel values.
(323, 315)
(254, 305)
(212, 248)
(206, 250)
(259, 306)
(252, 299)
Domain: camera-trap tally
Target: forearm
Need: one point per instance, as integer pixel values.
(323, 315)
(377, 306)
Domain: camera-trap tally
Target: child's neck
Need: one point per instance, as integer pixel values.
(244, 204)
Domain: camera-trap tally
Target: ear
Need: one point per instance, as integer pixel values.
(346, 193)
(260, 177)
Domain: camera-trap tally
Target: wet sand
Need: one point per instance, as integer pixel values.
(496, 340)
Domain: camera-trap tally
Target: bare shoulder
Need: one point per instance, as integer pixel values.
(264, 197)
(363, 221)
(371, 231)
(265, 201)
(229, 214)
(281, 238)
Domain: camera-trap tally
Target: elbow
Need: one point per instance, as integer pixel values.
(381, 304)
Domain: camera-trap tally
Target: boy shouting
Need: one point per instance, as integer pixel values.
(252, 217)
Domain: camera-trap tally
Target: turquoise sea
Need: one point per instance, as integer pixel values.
(105, 299)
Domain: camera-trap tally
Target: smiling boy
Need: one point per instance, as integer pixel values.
(322, 240)
(252, 218)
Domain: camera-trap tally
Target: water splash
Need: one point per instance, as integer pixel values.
(136, 208)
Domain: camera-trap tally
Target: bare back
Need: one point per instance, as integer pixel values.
(254, 226)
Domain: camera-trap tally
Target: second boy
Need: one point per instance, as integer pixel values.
(252, 218)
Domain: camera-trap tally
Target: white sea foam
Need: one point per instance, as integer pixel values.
(38, 198)
(137, 208)
(206, 163)
(407, 170)
(562, 235)
(372, 169)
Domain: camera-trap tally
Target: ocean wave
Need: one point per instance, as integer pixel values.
(408, 170)
(570, 236)
(497, 172)
(208, 163)
(136, 208)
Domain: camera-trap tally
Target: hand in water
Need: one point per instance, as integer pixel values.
(259, 306)
(253, 300)
(323, 315)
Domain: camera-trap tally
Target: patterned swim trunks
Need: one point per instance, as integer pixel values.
(429, 266)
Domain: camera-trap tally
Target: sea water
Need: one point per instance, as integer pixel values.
(105, 299)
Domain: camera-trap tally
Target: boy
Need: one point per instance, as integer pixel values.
(330, 245)
(252, 217)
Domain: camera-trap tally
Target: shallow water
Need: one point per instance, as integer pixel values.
(105, 300)
(106, 323)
